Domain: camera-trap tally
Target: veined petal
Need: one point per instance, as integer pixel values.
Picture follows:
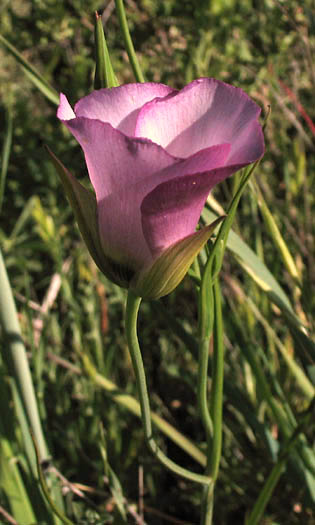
(248, 146)
(153, 154)
(114, 160)
(172, 210)
(119, 106)
(206, 112)
(120, 214)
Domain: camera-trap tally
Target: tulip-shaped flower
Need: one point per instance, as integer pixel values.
(153, 154)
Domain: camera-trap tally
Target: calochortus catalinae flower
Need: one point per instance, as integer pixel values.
(153, 155)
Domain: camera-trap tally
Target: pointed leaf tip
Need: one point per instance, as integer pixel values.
(169, 269)
(104, 73)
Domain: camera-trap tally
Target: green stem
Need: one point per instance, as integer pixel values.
(128, 42)
(217, 383)
(17, 355)
(132, 308)
(214, 451)
(205, 331)
(134, 407)
(202, 389)
(209, 280)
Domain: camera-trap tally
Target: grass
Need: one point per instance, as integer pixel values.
(71, 317)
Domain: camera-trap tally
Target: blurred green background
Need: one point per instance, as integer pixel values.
(267, 48)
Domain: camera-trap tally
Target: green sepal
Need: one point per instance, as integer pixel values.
(84, 206)
(104, 73)
(169, 269)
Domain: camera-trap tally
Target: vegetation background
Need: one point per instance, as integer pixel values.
(72, 317)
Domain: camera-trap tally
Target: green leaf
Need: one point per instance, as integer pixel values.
(104, 73)
(11, 484)
(259, 272)
(253, 265)
(83, 203)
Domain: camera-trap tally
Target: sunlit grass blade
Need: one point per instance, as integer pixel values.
(252, 263)
(17, 353)
(275, 234)
(16, 359)
(259, 272)
(128, 42)
(34, 76)
(6, 149)
(12, 486)
(11, 482)
(296, 371)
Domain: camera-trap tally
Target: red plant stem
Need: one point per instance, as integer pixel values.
(298, 106)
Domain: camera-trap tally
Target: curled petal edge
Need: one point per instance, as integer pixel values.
(169, 269)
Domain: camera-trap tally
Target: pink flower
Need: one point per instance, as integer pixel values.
(153, 155)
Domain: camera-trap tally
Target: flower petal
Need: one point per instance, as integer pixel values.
(119, 106)
(65, 111)
(206, 112)
(114, 160)
(120, 217)
(172, 209)
(121, 171)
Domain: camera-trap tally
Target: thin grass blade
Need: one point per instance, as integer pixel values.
(34, 76)
(5, 154)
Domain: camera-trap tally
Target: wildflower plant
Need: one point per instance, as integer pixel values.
(153, 154)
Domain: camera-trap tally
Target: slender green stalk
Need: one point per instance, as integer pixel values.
(17, 355)
(128, 42)
(132, 308)
(217, 383)
(209, 280)
(215, 447)
(202, 388)
(205, 331)
(133, 406)
(5, 154)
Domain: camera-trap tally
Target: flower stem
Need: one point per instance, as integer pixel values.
(217, 382)
(128, 42)
(132, 308)
(133, 406)
(215, 447)
(205, 331)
